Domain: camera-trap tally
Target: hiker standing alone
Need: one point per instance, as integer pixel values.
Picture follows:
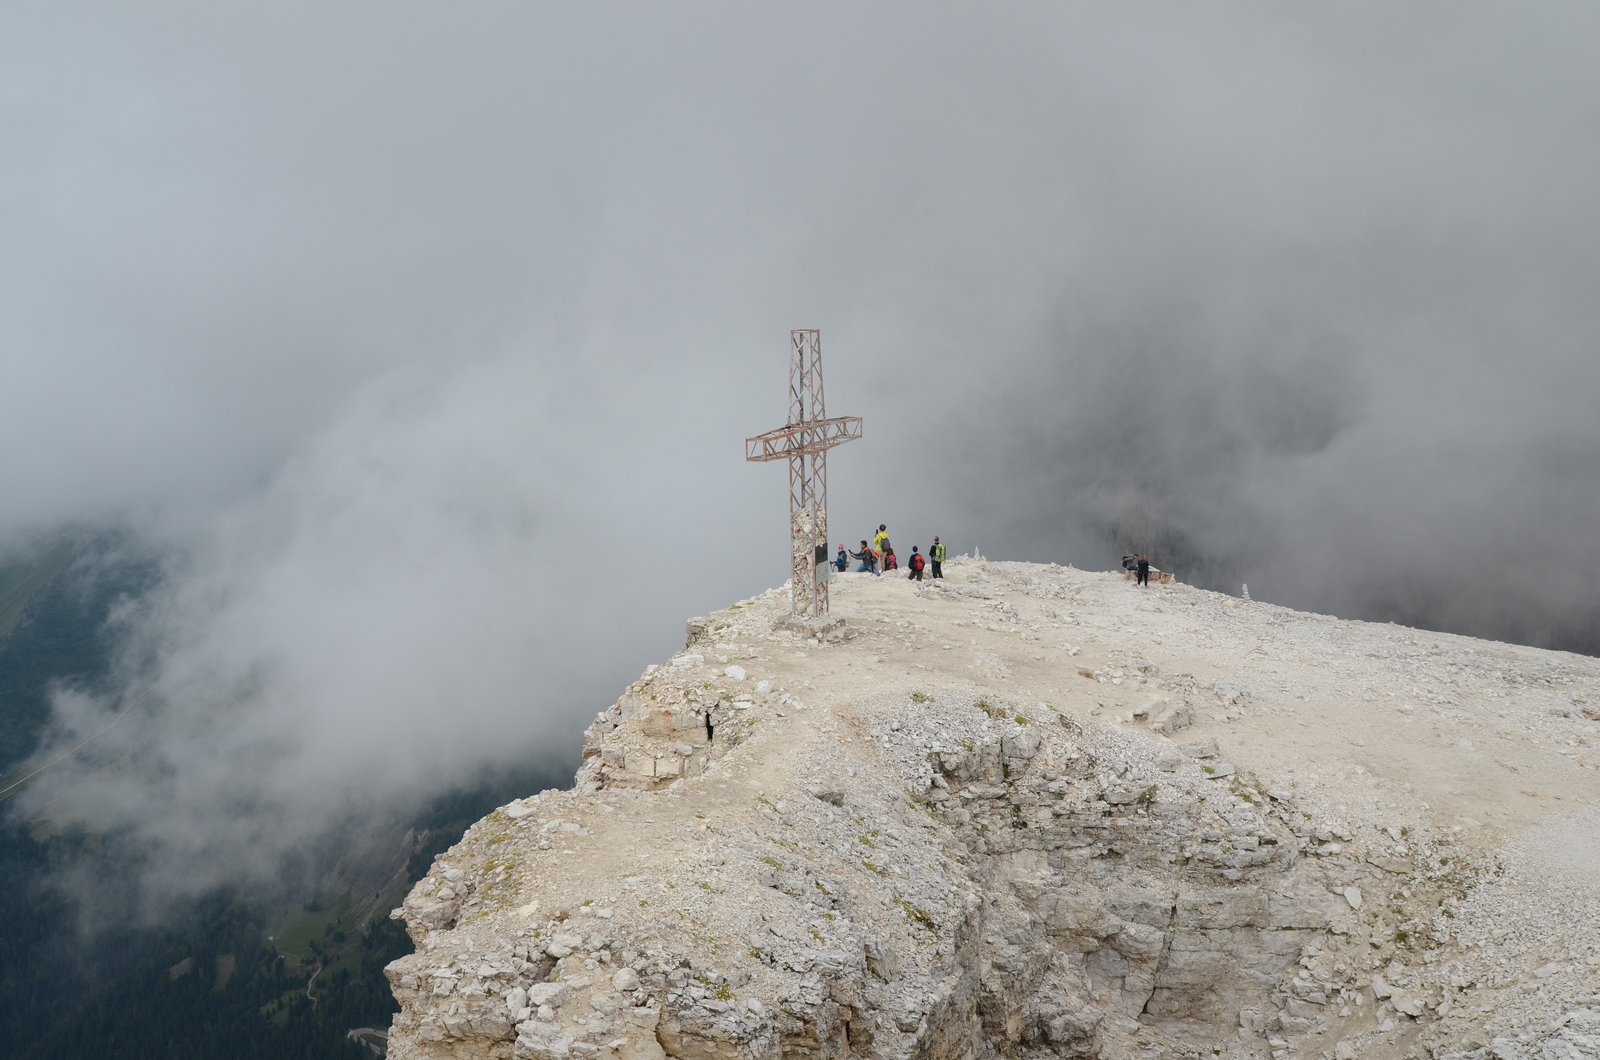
(1144, 571)
(936, 554)
(916, 563)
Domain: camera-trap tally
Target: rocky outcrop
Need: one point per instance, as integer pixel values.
(897, 863)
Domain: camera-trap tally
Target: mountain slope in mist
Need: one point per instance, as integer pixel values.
(82, 969)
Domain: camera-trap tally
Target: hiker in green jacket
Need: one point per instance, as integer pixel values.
(936, 557)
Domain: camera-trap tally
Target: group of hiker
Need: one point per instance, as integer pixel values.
(879, 553)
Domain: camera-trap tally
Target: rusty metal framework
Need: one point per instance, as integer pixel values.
(805, 441)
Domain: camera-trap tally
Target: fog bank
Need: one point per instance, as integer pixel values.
(423, 342)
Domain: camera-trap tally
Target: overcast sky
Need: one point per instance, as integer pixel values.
(425, 336)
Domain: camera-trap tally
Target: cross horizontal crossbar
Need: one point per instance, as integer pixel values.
(799, 439)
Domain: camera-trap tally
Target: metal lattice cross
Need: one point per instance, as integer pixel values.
(805, 441)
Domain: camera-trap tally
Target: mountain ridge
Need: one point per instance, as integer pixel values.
(1031, 811)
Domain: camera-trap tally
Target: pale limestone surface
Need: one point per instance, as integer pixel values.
(1035, 811)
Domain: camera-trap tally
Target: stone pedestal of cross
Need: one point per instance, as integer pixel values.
(804, 441)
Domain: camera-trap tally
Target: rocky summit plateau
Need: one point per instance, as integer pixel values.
(1033, 811)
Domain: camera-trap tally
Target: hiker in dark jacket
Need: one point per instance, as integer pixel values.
(841, 562)
(936, 555)
(916, 563)
(868, 558)
(1144, 571)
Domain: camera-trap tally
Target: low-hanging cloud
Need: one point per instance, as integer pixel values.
(422, 343)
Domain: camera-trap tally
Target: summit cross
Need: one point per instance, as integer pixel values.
(805, 441)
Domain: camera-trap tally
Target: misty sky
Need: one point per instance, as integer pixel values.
(425, 337)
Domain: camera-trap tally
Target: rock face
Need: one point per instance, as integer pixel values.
(777, 857)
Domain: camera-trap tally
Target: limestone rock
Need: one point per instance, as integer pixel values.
(855, 858)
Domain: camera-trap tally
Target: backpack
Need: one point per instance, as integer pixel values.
(916, 561)
(885, 546)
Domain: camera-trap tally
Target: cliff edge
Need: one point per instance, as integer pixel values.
(1036, 811)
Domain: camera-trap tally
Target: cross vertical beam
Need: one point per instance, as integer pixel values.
(805, 441)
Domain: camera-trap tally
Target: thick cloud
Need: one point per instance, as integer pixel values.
(424, 339)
